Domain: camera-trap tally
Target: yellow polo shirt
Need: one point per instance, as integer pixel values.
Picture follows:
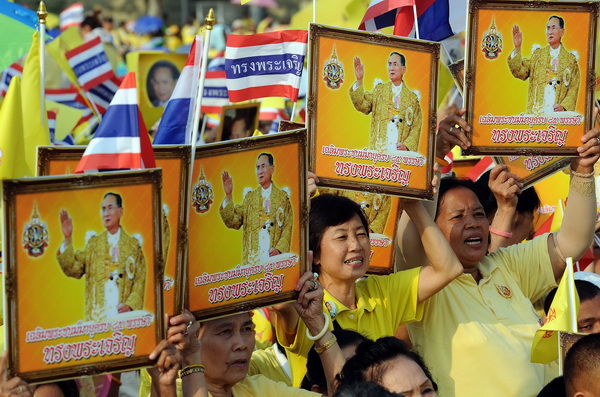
(261, 386)
(383, 303)
(476, 338)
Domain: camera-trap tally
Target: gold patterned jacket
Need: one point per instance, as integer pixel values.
(252, 215)
(538, 70)
(380, 103)
(95, 262)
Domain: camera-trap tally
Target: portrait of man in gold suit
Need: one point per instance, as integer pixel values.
(112, 262)
(396, 116)
(265, 214)
(552, 71)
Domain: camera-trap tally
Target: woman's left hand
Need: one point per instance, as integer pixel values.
(589, 152)
(168, 363)
(309, 304)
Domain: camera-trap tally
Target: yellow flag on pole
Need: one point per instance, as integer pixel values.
(12, 145)
(35, 122)
(562, 316)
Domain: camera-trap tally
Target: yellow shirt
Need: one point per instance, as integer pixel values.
(476, 338)
(261, 386)
(383, 303)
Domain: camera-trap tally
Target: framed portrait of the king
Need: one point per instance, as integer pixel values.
(83, 273)
(247, 230)
(530, 76)
(175, 164)
(372, 111)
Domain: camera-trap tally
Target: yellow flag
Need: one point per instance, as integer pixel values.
(559, 214)
(245, 1)
(35, 124)
(12, 146)
(565, 306)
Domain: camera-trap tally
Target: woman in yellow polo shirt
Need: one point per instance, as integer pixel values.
(377, 305)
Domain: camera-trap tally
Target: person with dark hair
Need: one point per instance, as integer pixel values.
(161, 82)
(582, 367)
(364, 389)
(265, 214)
(588, 317)
(239, 128)
(555, 388)
(396, 112)
(374, 306)
(113, 263)
(486, 314)
(314, 380)
(389, 362)
(552, 71)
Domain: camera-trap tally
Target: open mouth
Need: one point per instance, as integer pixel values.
(473, 241)
(354, 261)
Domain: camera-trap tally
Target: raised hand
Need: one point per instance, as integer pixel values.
(589, 152)
(227, 184)
(359, 70)
(66, 224)
(505, 186)
(451, 132)
(517, 36)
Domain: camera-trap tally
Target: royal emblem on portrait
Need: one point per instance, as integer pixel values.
(202, 194)
(35, 235)
(333, 72)
(491, 44)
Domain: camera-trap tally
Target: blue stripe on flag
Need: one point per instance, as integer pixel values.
(434, 23)
(90, 63)
(385, 20)
(171, 130)
(264, 65)
(120, 121)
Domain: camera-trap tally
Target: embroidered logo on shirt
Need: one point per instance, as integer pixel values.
(331, 308)
(504, 291)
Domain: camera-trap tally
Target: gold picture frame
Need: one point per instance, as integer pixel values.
(230, 114)
(52, 333)
(533, 169)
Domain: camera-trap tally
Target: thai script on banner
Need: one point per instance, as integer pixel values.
(116, 345)
(374, 156)
(268, 283)
(367, 171)
(547, 135)
(529, 120)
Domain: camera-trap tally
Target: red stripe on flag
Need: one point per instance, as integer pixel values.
(264, 92)
(384, 7)
(480, 168)
(234, 40)
(109, 161)
(84, 47)
(128, 81)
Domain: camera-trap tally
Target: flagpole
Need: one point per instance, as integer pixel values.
(416, 21)
(571, 294)
(42, 13)
(293, 111)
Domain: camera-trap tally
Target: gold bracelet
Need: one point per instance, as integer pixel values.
(332, 341)
(190, 369)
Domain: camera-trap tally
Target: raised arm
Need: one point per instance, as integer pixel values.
(444, 265)
(505, 187)
(577, 229)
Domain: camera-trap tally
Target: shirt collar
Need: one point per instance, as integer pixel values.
(113, 239)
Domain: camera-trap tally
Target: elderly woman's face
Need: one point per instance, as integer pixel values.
(405, 376)
(227, 345)
(462, 220)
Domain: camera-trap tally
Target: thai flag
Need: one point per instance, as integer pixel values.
(13, 70)
(482, 166)
(102, 94)
(51, 124)
(437, 19)
(90, 64)
(65, 96)
(71, 16)
(265, 65)
(121, 141)
(176, 125)
(217, 63)
(382, 13)
(215, 92)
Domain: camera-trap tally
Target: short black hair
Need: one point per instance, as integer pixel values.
(328, 210)
(583, 361)
(556, 388)
(365, 389)
(369, 364)
(269, 157)
(586, 291)
(402, 58)
(561, 22)
(164, 64)
(450, 183)
(117, 196)
(315, 375)
(528, 201)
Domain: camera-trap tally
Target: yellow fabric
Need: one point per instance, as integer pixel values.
(93, 260)
(261, 386)
(468, 328)
(265, 362)
(263, 329)
(537, 69)
(35, 125)
(12, 144)
(380, 103)
(383, 303)
(545, 341)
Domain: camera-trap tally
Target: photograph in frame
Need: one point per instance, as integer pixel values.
(83, 279)
(377, 135)
(529, 76)
(238, 121)
(249, 249)
(533, 169)
(175, 164)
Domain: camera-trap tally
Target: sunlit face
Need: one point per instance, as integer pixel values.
(554, 33)
(395, 69)
(462, 220)
(404, 376)
(345, 251)
(227, 345)
(264, 171)
(111, 213)
(588, 319)
(163, 83)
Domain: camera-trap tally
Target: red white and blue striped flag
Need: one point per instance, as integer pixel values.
(437, 19)
(176, 125)
(90, 64)
(71, 16)
(265, 65)
(102, 94)
(65, 96)
(382, 13)
(13, 70)
(215, 92)
(121, 141)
